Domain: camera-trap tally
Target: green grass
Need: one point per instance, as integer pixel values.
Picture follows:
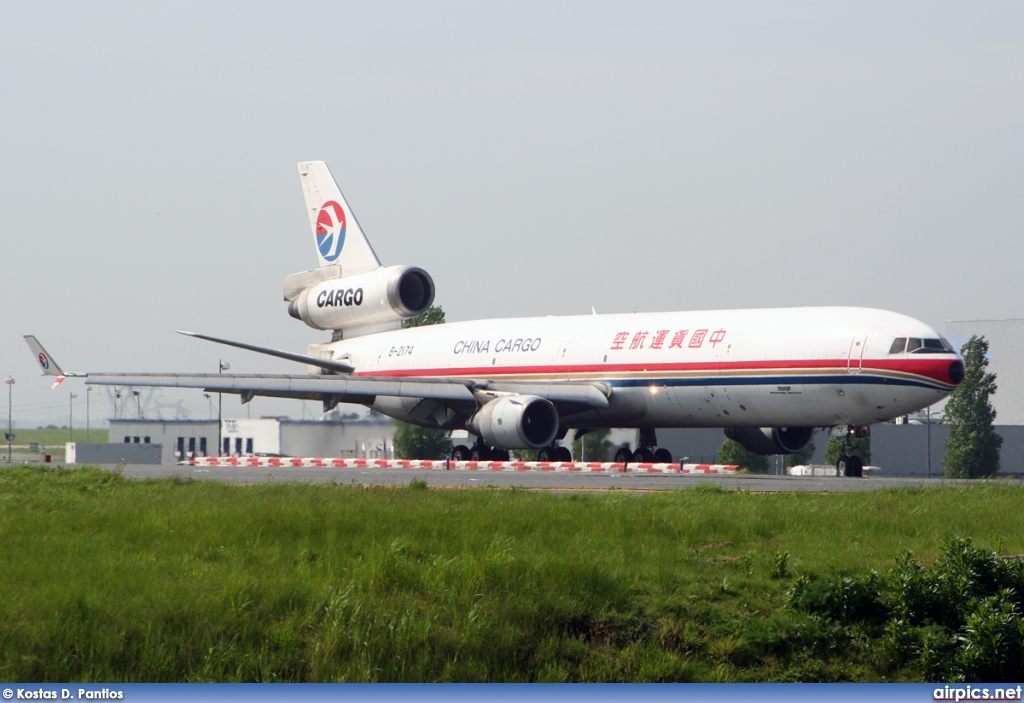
(56, 437)
(106, 579)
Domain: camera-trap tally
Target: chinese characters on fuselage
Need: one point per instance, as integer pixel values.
(646, 339)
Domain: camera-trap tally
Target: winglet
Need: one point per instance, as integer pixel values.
(46, 362)
(337, 235)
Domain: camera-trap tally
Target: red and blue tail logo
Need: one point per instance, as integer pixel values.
(330, 230)
(44, 362)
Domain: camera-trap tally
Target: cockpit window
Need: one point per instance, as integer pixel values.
(916, 345)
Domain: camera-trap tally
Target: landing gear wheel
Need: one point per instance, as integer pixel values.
(623, 456)
(662, 456)
(851, 466)
(643, 455)
(499, 455)
(546, 454)
(563, 454)
(479, 453)
(460, 453)
(855, 468)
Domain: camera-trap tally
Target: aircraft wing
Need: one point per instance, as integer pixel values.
(345, 389)
(362, 389)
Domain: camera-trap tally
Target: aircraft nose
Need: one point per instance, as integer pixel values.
(956, 372)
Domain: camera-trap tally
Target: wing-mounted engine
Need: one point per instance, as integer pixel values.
(516, 422)
(358, 304)
(771, 440)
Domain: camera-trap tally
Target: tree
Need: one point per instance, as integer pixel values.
(597, 446)
(802, 457)
(835, 447)
(414, 442)
(733, 452)
(434, 315)
(972, 447)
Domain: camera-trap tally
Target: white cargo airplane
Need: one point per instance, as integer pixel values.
(769, 377)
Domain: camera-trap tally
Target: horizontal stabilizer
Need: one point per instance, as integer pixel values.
(326, 364)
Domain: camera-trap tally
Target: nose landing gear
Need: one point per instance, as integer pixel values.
(848, 464)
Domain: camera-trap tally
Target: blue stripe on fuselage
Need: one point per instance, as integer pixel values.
(718, 381)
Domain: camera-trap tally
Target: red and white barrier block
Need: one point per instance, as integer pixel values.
(592, 467)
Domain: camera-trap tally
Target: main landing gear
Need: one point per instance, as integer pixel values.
(554, 453)
(848, 464)
(480, 451)
(646, 452)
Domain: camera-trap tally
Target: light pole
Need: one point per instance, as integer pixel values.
(138, 401)
(929, 420)
(71, 417)
(222, 366)
(88, 392)
(10, 431)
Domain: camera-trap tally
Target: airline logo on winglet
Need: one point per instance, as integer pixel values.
(330, 230)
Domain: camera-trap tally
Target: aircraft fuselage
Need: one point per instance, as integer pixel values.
(720, 368)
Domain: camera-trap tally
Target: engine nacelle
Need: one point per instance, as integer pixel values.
(516, 422)
(381, 296)
(771, 440)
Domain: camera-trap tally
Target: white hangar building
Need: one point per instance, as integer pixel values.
(184, 439)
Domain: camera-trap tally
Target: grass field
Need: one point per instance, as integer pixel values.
(51, 441)
(106, 579)
(56, 437)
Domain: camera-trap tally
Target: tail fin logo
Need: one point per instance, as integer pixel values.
(330, 230)
(44, 361)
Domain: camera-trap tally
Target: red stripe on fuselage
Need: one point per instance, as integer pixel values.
(936, 369)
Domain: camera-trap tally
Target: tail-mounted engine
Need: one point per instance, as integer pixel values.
(359, 304)
(771, 440)
(516, 422)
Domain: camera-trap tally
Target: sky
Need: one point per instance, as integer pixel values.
(535, 157)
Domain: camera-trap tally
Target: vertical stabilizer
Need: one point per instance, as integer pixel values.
(338, 238)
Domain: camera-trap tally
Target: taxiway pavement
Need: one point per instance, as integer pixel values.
(533, 480)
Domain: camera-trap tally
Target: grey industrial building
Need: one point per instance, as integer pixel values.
(184, 439)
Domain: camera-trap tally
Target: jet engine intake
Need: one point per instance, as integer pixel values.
(516, 422)
(771, 440)
(385, 295)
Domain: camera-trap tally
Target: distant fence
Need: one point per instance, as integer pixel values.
(593, 467)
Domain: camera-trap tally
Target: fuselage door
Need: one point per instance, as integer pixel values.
(856, 357)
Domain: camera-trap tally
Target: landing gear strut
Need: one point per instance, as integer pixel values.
(848, 464)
